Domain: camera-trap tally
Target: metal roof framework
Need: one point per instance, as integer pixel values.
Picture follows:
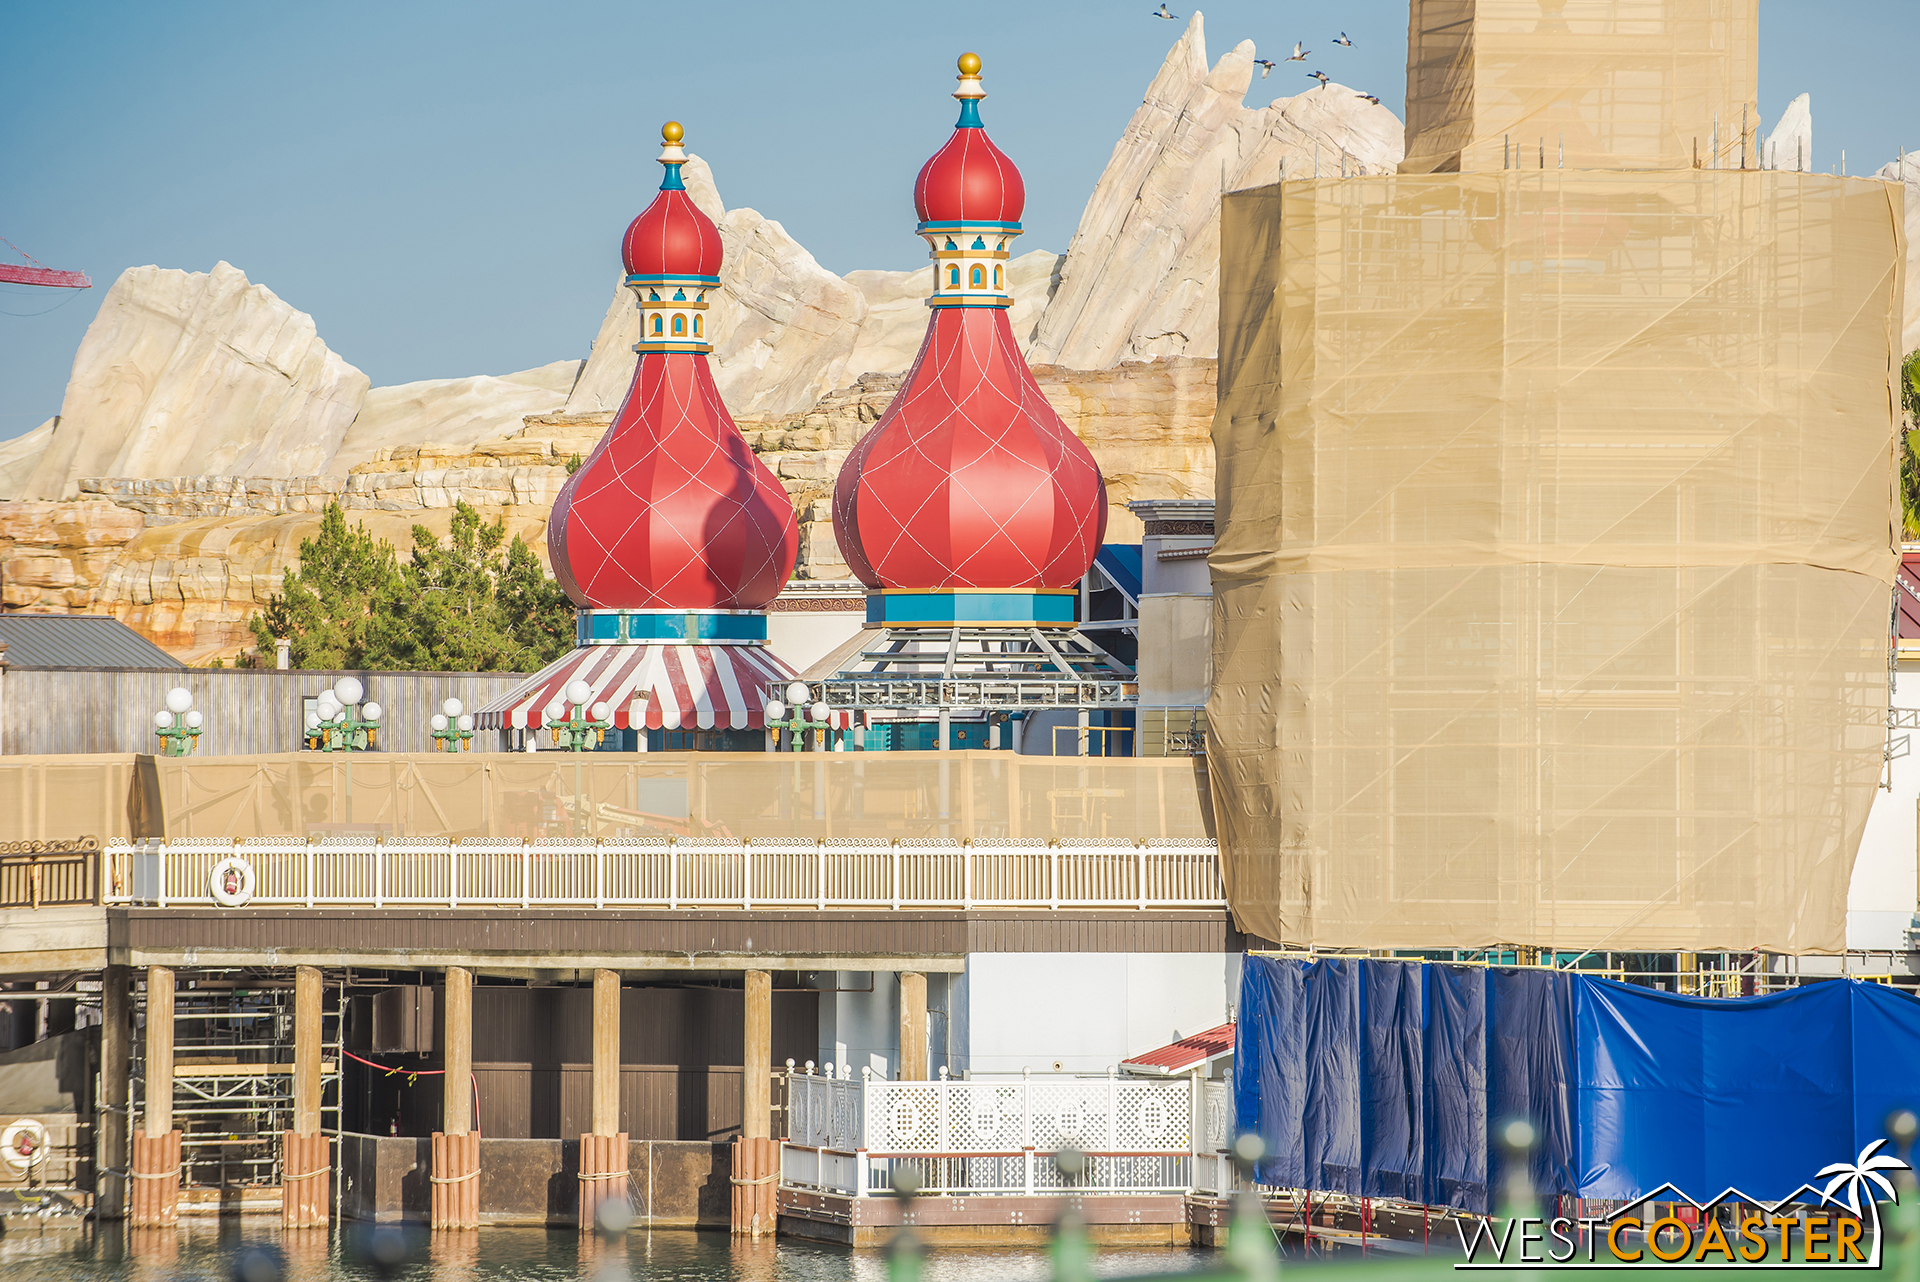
(919, 671)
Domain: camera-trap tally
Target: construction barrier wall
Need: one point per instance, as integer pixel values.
(1582, 84)
(955, 795)
(1557, 521)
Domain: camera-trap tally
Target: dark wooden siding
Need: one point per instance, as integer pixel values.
(612, 934)
(680, 1051)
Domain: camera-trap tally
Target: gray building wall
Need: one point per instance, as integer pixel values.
(246, 710)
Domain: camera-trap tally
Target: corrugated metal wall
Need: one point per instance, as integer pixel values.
(247, 710)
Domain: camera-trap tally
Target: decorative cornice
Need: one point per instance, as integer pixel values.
(1181, 527)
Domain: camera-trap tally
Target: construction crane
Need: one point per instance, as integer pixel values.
(16, 274)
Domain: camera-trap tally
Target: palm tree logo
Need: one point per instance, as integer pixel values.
(1862, 1175)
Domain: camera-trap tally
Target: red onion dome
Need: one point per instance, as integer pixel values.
(672, 510)
(672, 237)
(970, 479)
(969, 179)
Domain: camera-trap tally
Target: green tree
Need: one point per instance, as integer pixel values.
(1909, 440)
(473, 603)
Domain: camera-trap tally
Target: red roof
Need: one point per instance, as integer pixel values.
(672, 237)
(970, 479)
(1186, 1054)
(969, 180)
(1906, 593)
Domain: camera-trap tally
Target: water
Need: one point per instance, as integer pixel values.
(211, 1250)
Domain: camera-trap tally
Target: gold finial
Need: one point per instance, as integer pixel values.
(969, 64)
(671, 132)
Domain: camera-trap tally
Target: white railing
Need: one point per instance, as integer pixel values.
(981, 1138)
(669, 873)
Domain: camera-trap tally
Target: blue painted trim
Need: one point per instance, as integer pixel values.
(668, 627)
(935, 304)
(672, 181)
(710, 281)
(1043, 607)
(969, 114)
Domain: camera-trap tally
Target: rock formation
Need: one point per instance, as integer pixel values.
(1141, 277)
(452, 411)
(1790, 145)
(206, 426)
(197, 372)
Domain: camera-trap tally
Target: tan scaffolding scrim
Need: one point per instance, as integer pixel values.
(1584, 84)
(1556, 521)
(729, 795)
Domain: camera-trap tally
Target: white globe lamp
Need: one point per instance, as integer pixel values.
(438, 722)
(371, 711)
(797, 693)
(179, 699)
(348, 691)
(578, 692)
(466, 721)
(453, 707)
(194, 719)
(163, 720)
(776, 710)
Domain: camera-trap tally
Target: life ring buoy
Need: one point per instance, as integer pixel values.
(231, 882)
(24, 1145)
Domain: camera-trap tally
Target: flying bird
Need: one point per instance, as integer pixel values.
(1161, 12)
(1373, 98)
(1342, 40)
(1299, 54)
(1265, 65)
(1321, 76)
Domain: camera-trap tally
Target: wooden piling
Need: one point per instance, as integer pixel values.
(155, 1180)
(305, 1181)
(755, 1183)
(603, 1174)
(455, 1174)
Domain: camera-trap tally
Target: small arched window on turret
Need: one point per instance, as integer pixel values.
(653, 295)
(696, 327)
(656, 324)
(953, 277)
(679, 295)
(996, 276)
(679, 326)
(950, 244)
(978, 277)
(978, 243)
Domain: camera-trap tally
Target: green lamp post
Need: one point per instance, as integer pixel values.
(179, 725)
(452, 727)
(340, 722)
(818, 717)
(586, 728)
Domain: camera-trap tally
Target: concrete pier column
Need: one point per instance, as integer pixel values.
(155, 1173)
(913, 1026)
(1080, 731)
(110, 1153)
(603, 1151)
(305, 1161)
(455, 1170)
(756, 1113)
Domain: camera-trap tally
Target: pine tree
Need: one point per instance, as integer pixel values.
(475, 603)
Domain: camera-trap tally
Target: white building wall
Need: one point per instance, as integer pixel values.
(804, 637)
(1881, 897)
(859, 1027)
(1083, 1012)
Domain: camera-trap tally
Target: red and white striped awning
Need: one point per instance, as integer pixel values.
(660, 687)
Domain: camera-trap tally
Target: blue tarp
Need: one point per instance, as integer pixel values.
(1385, 1078)
(1122, 564)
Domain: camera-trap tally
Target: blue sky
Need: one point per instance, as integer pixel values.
(444, 187)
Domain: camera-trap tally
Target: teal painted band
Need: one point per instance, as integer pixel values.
(663, 279)
(963, 225)
(667, 627)
(969, 114)
(1002, 303)
(1046, 609)
(672, 181)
